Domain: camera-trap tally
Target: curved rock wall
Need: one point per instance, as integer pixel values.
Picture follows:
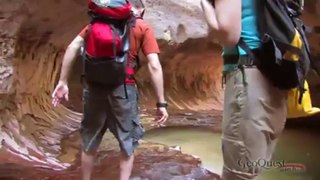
(312, 18)
(30, 61)
(34, 35)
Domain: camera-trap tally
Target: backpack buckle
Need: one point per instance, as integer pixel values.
(246, 61)
(250, 61)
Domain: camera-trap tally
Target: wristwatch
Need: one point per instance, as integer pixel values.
(163, 104)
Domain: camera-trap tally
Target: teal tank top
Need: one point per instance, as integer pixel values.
(249, 31)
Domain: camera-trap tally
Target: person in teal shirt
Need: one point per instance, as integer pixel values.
(254, 110)
(249, 32)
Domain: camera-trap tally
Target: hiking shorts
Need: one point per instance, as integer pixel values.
(253, 119)
(115, 109)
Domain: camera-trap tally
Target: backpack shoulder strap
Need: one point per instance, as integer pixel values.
(138, 45)
(83, 53)
(245, 47)
(86, 38)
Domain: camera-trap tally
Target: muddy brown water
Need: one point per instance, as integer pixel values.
(296, 145)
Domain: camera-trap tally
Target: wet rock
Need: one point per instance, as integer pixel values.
(176, 148)
(188, 114)
(191, 119)
(172, 165)
(204, 119)
(152, 161)
(33, 38)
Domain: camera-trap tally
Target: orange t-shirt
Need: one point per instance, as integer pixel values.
(141, 37)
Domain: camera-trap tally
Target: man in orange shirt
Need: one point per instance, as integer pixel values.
(105, 109)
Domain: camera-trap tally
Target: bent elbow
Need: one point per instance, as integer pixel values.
(231, 36)
(154, 67)
(230, 42)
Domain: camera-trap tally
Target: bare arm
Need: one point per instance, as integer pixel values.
(69, 57)
(155, 70)
(224, 20)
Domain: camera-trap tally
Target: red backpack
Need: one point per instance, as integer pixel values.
(106, 44)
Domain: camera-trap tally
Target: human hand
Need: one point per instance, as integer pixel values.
(61, 92)
(161, 116)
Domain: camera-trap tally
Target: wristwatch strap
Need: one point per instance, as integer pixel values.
(165, 105)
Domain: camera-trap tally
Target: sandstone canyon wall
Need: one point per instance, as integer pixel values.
(34, 35)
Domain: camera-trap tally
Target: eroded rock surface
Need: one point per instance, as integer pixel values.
(33, 37)
(152, 161)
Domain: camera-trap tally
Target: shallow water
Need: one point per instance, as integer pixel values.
(299, 146)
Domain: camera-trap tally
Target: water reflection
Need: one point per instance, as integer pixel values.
(200, 142)
(298, 146)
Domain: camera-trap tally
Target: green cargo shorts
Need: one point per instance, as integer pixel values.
(253, 119)
(115, 109)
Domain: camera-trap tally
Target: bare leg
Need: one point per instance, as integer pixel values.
(126, 164)
(87, 160)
